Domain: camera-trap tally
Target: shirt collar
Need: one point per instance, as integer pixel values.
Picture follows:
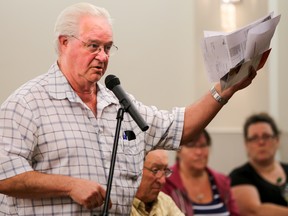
(59, 88)
(138, 204)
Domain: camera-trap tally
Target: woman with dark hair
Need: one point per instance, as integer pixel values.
(195, 188)
(260, 185)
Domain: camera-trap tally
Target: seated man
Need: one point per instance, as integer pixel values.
(148, 199)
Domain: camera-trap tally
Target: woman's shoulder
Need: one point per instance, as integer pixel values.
(285, 167)
(217, 174)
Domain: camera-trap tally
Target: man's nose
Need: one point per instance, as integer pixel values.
(162, 180)
(101, 55)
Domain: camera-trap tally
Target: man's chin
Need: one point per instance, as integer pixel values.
(155, 192)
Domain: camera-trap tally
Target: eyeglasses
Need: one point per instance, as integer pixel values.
(95, 48)
(193, 145)
(264, 137)
(158, 173)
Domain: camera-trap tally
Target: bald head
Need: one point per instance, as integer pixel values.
(151, 184)
(159, 155)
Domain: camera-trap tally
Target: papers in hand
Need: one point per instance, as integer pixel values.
(228, 56)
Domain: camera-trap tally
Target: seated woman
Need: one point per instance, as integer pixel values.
(259, 185)
(195, 188)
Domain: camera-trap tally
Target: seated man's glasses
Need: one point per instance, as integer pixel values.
(158, 173)
(95, 48)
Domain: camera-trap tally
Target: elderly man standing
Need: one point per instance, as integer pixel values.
(57, 130)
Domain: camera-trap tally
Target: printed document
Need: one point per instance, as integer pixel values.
(227, 56)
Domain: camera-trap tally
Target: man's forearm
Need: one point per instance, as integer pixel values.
(199, 115)
(36, 185)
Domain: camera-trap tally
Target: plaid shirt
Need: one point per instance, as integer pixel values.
(45, 126)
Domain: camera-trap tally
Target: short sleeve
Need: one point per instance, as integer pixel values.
(240, 176)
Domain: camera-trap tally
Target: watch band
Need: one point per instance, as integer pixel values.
(217, 96)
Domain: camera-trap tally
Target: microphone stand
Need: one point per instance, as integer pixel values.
(119, 118)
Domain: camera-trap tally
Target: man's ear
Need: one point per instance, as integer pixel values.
(62, 40)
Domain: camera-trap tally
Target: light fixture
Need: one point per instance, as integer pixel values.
(230, 1)
(228, 14)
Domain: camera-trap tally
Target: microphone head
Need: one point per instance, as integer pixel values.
(111, 81)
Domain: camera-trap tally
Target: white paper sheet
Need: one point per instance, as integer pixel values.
(226, 53)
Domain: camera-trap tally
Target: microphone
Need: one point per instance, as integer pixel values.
(113, 83)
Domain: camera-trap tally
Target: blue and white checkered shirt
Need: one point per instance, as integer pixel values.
(45, 126)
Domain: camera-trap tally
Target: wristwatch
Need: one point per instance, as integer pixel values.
(217, 96)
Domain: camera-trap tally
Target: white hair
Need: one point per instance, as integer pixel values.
(67, 22)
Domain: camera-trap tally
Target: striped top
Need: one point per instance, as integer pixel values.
(216, 207)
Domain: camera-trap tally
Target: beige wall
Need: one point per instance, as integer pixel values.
(159, 59)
